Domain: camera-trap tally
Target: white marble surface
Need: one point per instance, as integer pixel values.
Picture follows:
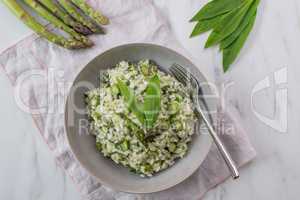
(28, 171)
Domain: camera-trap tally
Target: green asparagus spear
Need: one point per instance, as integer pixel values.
(69, 7)
(67, 19)
(89, 11)
(56, 22)
(40, 29)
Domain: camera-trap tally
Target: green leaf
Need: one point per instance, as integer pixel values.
(125, 91)
(135, 130)
(146, 113)
(206, 25)
(215, 8)
(131, 101)
(152, 101)
(228, 24)
(230, 53)
(247, 19)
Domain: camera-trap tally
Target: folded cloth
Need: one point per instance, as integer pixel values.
(41, 74)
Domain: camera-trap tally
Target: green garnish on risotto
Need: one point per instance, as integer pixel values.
(142, 118)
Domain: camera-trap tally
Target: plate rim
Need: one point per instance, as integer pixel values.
(163, 188)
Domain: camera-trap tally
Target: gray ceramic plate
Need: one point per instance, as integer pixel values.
(83, 144)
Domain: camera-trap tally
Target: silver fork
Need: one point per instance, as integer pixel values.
(185, 77)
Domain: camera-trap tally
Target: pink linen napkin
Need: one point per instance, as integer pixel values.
(41, 73)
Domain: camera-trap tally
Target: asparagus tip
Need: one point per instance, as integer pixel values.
(72, 44)
(105, 21)
(100, 30)
(89, 43)
(82, 29)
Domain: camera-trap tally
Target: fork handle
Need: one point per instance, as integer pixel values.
(222, 149)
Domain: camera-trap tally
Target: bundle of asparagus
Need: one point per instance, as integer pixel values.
(75, 17)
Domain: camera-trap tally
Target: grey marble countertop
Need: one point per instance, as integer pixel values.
(262, 84)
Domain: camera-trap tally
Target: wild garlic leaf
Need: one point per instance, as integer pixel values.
(205, 25)
(147, 112)
(228, 24)
(131, 101)
(125, 91)
(215, 8)
(152, 101)
(230, 53)
(247, 19)
(230, 21)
